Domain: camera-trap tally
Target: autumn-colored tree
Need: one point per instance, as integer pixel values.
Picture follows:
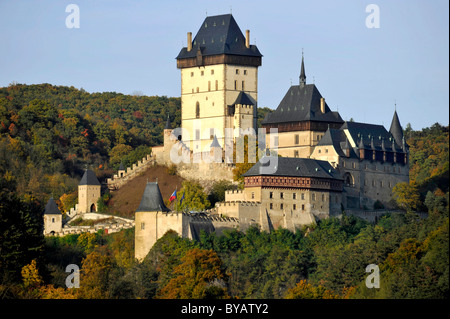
(50, 292)
(245, 155)
(407, 196)
(30, 275)
(94, 275)
(87, 241)
(68, 201)
(305, 290)
(199, 276)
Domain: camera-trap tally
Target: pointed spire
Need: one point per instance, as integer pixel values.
(396, 129)
(168, 125)
(215, 142)
(372, 145)
(302, 73)
(346, 147)
(361, 143)
(346, 144)
(393, 145)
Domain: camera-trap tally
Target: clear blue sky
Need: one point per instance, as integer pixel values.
(127, 46)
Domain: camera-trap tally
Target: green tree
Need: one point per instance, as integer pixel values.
(407, 196)
(217, 193)
(21, 236)
(194, 197)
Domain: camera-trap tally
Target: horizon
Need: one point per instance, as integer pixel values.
(406, 58)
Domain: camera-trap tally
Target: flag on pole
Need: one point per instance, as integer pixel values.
(182, 197)
(173, 196)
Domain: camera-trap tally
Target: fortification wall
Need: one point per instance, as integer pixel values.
(129, 173)
(116, 224)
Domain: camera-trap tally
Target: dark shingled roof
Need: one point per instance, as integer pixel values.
(152, 200)
(338, 140)
(372, 136)
(219, 35)
(333, 137)
(121, 167)
(51, 208)
(295, 167)
(396, 129)
(89, 178)
(302, 103)
(243, 99)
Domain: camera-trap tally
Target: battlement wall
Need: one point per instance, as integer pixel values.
(123, 176)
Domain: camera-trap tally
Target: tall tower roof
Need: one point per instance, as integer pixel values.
(152, 200)
(396, 129)
(219, 35)
(302, 103)
(89, 178)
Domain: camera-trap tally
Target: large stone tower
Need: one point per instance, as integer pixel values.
(89, 190)
(149, 224)
(219, 82)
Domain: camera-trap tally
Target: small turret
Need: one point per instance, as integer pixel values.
(52, 218)
(361, 149)
(215, 151)
(168, 125)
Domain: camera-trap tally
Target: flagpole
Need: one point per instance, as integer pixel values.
(176, 193)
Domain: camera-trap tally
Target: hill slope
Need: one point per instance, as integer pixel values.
(126, 199)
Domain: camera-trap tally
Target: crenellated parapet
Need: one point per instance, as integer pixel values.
(124, 175)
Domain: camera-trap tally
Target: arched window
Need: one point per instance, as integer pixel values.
(197, 110)
(348, 179)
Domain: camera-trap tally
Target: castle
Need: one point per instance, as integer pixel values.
(327, 165)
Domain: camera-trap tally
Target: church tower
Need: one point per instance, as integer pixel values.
(219, 82)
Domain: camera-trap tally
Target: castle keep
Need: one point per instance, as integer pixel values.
(219, 82)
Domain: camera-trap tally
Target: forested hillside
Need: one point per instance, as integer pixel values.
(49, 134)
(429, 170)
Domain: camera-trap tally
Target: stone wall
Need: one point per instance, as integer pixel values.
(114, 225)
(150, 226)
(129, 173)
